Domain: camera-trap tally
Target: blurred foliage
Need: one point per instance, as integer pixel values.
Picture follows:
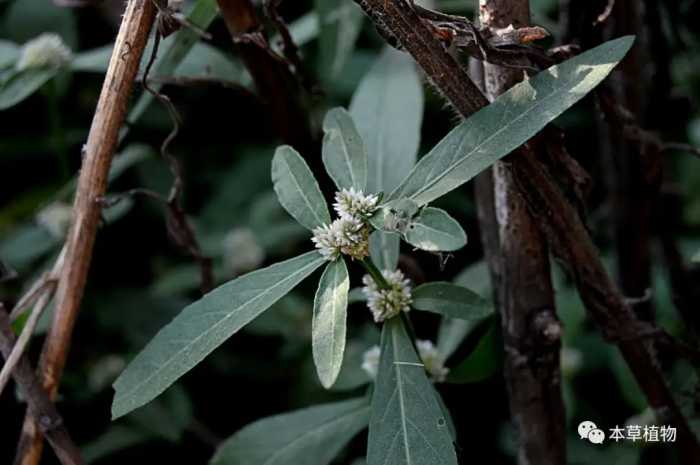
(139, 280)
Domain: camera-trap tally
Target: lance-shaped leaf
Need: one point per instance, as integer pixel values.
(483, 362)
(450, 300)
(328, 326)
(311, 436)
(340, 23)
(344, 153)
(15, 86)
(297, 189)
(508, 122)
(407, 426)
(435, 231)
(204, 325)
(388, 109)
(384, 249)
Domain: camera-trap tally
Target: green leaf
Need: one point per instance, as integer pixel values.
(328, 328)
(344, 154)
(204, 325)
(297, 189)
(388, 109)
(452, 332)
(447, 415)
(508, 122)
(384, 249)
(340, 24)
(311, 436)
(448, 299)
(95, 60)
(696, 257)
(117, 438)
(16, 86)
(9, 53)
(26, 19)
(435, 231)
(407, 426)
(483, 362)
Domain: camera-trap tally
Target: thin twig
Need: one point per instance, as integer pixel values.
(48, 286)
(92, 183)
(668, 146)
(40, 406)
(605, 14)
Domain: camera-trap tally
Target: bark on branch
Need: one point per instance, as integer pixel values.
(92, 183)
(531, 330)
(40, 406)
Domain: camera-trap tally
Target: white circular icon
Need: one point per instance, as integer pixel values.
(596, 436)
(585, 427)
(589, 430)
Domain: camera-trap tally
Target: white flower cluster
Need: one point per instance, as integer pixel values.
(432, 360)
(43, 51)
(351, 203)
(56, 218)
(370, 361)
(387, 303)
(242, 252)
(349, 233)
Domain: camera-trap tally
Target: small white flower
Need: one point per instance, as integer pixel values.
(56, 218)
(387, 303)
(241, 251)
(353, 203)
(433, 360)
(571, 361)
(43, 51)
(346, 235)
(370, 361)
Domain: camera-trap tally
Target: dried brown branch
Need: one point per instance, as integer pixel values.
(605, 14)
(46, 287)
(531, 330)
(92, 183)
(39, 405)
(558, 220)
(274, 80)
(179, 227)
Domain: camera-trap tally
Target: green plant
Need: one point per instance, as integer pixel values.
(407, 421)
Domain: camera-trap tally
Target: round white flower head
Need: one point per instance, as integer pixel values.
(355, 204)
(345, 235)
(429, 355)
(241, 250)
(56, 218)
(370, 361)
(43, 51)
(571, 361)
(387, 303)
(433, 360)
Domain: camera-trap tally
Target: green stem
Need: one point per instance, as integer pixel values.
(375, 273)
